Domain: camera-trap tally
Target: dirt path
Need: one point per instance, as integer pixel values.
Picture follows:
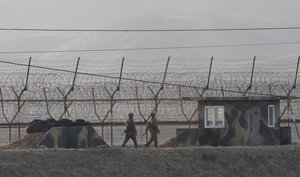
(165, 162)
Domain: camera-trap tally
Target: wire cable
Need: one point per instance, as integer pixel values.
(148, 48)
(152, 30)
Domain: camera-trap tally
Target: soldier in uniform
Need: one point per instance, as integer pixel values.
(152, 126)
(130, 131)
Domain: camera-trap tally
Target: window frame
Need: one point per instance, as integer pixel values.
(273, 115)
(214, 119)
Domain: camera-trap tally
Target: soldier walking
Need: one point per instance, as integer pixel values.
(130, 131)
(152, 126)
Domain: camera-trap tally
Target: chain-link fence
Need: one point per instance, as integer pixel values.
(105, 91)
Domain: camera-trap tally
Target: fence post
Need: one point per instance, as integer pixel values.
(111, 120)
(19, 130)
(95, 111)
(222, 90)
(71, 89)
(162, 85)
(19, 107)
(47, 104)
(288, 97)
(250, 85)
(112, 101)
(156, 101)
(270, 89)
(3, 113)
(139, 109)
(296, 76)
(208, 79)
(65, 103)
(95, 107)
(9, 132)
(181, 106)
(289, 94)
(2, 106)
(182, 110)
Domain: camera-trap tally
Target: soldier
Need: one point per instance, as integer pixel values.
(130, 131)
(152, 126)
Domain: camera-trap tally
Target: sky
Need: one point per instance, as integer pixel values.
(100, 13)
(148, 14)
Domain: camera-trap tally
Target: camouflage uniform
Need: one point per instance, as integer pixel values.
(152, 126)
(130, 131)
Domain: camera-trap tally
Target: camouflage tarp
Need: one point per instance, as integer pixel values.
(71, 137)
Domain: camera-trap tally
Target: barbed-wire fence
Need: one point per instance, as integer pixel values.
(105, 91)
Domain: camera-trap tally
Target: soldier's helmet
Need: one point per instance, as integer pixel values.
(152, 114)
(130, 114)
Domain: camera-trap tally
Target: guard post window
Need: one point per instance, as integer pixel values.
(271, 116)
(214, 116)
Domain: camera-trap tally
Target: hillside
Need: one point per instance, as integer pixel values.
(60, 41)
(119, 40)
(165, 162)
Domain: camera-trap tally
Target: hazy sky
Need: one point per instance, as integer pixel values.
(98, 13)
(143, 14)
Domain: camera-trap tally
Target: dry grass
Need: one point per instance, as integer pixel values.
(25, 142)
(165, 162)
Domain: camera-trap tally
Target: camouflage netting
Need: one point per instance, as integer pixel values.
(63, 133)
(38, 125)
(71, 137)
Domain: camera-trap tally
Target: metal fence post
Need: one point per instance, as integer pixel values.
(112, 101)
(208, 78)
(250, 84)
(47, 104)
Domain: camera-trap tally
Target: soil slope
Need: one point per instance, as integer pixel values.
(165, 162)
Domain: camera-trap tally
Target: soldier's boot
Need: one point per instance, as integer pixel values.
(152, 138)
(135, 145)
(149, 142)
(155, 143)
(134, 141)
(125, 141)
